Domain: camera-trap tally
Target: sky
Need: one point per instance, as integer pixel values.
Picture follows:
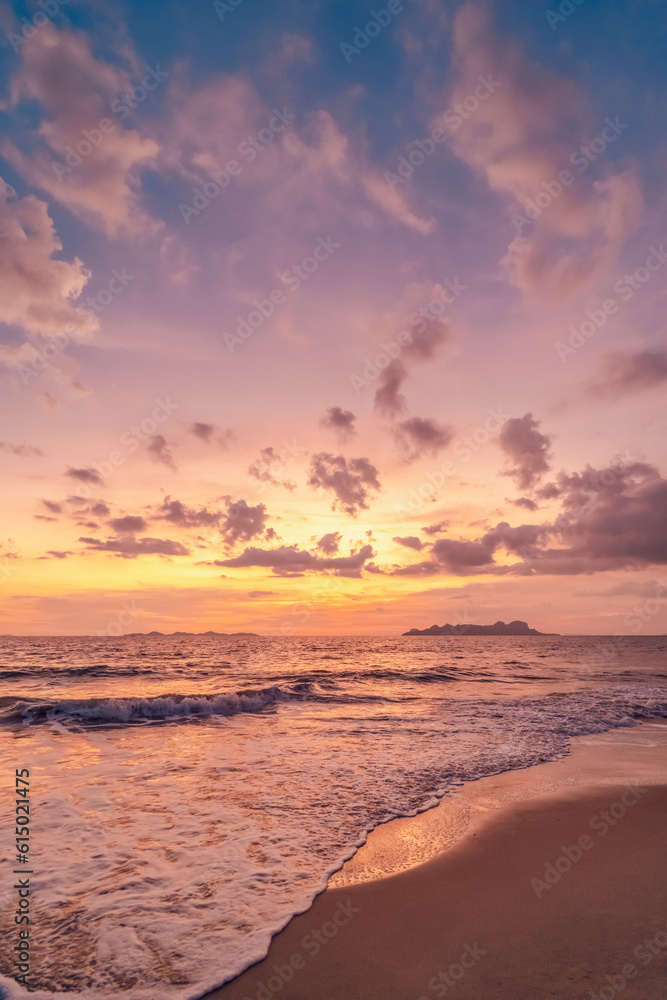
(325, 317)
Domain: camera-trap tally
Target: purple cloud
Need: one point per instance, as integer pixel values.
(128, 525)
(436, 529)
(160, 452)
(409, 541)
(341, 421)
(242, 522)
(329, 543)
(187, 517)
(525, 502)
(23, 450)
(418, 436)
(350, 482)
(527, 450)
(627, 373)
(210, 432)
(130, 547)
(91, 476)
(427, 336)
(51, 505)
(389, 401)
(288, 560)
(266, 467)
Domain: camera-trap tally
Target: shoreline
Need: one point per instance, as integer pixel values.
(424, 890)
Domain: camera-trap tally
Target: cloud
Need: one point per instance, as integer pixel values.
(409, 541)
(548, 492)
(262, 469)
(69, 90)
(49, 400)
(43, 290)
(520, 139)
(208, 432)
(389, 401)
(289, 560)
(418, 436)
(296, 48)
(261, 593)
(100, 509)
(350, 482)
(160, 452)
(74, 91)
(436, 529)
(203, 431)
(611, 518)
(79, 389)
(463, 556)
(627, 588)
(341, 421)
(527, 450)
(128, 525)
(309, 162)
(523, 540)
(525, 502)
(426, 337)
(23, 450)
(59, 555)
(242, 522)
(91, 476)
(187, 517)
(627, 373)
(130, 547)
(426, 568)
(51, 505)
(329, 543)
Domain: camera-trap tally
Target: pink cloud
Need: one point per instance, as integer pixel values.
(527, 451)
(40, 291)
(350, 482)
(309, 159)
(522, 138)
(99, 180)
(289, 560)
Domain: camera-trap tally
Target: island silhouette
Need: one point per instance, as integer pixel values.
(500, 628)
(170, 635)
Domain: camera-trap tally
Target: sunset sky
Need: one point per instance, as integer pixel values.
(401, 363)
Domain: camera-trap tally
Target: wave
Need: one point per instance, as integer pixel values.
(44, 673)
(429, 676)
(98, 670)
(161, 708)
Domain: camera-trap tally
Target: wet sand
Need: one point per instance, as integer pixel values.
(548, 882)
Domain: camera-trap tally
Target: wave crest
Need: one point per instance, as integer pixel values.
(143, 710)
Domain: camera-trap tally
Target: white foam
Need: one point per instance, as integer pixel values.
(165, 857)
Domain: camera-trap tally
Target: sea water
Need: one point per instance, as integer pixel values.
(189, 795)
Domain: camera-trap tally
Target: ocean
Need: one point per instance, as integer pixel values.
(190, 794)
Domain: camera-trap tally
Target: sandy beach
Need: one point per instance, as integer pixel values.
(553, 886)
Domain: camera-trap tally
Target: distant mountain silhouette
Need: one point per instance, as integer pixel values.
(500, 628)
(169, 635)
